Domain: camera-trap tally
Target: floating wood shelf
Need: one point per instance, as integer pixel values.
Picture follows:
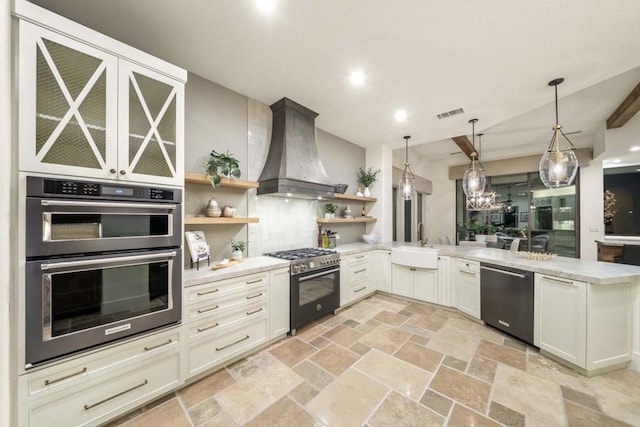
(200, 220)
(345, 220)
(200, 178)
(338, 196)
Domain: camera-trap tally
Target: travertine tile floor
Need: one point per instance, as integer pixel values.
(386, 361)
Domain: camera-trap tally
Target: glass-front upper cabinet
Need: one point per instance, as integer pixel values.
(86, 112)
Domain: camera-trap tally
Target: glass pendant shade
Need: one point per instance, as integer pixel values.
(474, 180)
(407, 184)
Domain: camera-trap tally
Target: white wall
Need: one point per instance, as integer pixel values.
(381, 158)
(7, 190)
(441, 204)
(591, 209)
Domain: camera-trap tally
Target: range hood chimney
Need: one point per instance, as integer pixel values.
(293, 167)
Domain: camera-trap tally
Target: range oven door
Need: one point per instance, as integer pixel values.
(313, 295)
(67, 226)
(76, 303)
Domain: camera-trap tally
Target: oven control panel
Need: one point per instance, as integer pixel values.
(315, 263)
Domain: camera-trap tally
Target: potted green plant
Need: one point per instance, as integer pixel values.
(221, 164)
(367, 177)
(329, 210)
(237, 248)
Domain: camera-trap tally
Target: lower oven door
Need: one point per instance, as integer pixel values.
(73, 304)
(314, 295)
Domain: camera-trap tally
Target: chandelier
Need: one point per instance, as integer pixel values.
(485, 201)
(558, 165)
(474, 179)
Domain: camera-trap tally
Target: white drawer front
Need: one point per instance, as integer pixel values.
(359, 290)
(107, 395)
(215, 324)
(362, 257)
(68, 374)
(358, 271)
(225, 304)
(215, 290)
(205, 354)
(465, 264)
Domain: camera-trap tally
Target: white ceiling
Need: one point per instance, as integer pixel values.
(492, 58)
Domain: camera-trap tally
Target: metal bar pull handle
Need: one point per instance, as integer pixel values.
(473, 273)
(206, 328)
(509, 273)
(360, 271)
(313, 276)
(153, 347)
(360, 256)
(255, 296)
(66, 264)
(213, 291)
(205, 310)
(361, 289)
(251, 282)
(254, 311)
(93, 405)
(233, 343)
(57, 380)
(563, 282)
(70, 203)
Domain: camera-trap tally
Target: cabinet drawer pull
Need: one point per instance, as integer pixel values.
(255, 296)
(93, 405)
(251, 282)
(564, 282)
(361, 289)
(360, 271)
(254, 311)
(49, 382)
(206, 328)
(213, 291)
(153, 347)
(473, 273)
(204, 310)
(233, 343)
(360, 256)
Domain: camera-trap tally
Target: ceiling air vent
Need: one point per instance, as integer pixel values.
(450, 113)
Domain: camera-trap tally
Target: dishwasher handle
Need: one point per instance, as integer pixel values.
(497, 270)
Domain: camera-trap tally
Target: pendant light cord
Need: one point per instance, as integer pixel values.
(557, 121)
(406, 151)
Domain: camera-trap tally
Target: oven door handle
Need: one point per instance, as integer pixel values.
(71, 203)
(313, 276)
(65, 264)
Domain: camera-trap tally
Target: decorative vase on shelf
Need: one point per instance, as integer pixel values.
(228, 211)
(359, 192)
(236, 255)
(212, 209)
(367, 193)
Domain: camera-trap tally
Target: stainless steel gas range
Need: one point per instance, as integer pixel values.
(315, 284)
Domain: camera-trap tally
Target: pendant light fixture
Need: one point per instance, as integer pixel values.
(508, 207)
(559, 164)
(474, 179)
(407, 183)
(487, 200)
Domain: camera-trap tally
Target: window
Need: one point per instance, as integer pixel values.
(622, 187)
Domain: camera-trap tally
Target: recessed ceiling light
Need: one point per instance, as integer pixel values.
(615, 161)
(635, 148)
(357, 78)
(266, 6)
(401, 116)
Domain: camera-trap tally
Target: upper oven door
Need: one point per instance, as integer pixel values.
(57, 226)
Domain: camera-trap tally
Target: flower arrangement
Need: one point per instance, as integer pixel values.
(238, 245)
(609, 204)
(367, 176)
(330, 208)
(219, 165)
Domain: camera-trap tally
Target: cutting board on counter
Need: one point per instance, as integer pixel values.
(231, 263)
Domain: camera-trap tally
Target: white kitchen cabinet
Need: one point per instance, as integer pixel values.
(444, 280)
(419, 283)
(466, 289)
(380, 265)
(585, 324)
(279, 301)
(86, 112)
(561, 322)
(355, 277)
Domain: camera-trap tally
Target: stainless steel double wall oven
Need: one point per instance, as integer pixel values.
(103, 262)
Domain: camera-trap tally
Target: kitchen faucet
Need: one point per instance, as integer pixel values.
(423, 240)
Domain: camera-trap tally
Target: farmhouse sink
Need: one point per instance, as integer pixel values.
(415, 257)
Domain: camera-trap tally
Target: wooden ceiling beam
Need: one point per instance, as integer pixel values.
(465, 145)
(626, 110)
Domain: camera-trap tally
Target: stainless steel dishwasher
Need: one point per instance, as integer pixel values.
(506, 300)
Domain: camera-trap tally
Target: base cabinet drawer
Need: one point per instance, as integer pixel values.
(106, 396)
(213, 349)
(360, 289)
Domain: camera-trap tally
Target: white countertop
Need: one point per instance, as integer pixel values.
(250, 265)
(595, 272)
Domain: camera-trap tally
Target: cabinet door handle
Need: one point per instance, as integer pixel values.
(360, 256)
(509, 273)
(564, 282)
(153, 347)
(251, 282)
(254, 311)
(473, 273)
(123, 172)
(360, 271)
(213, 291)
(255, 296)
(112, 170)
(49, 382)
(204, 310)
(93, 405)
(361, 289)
(206, 328)
(233, 343)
